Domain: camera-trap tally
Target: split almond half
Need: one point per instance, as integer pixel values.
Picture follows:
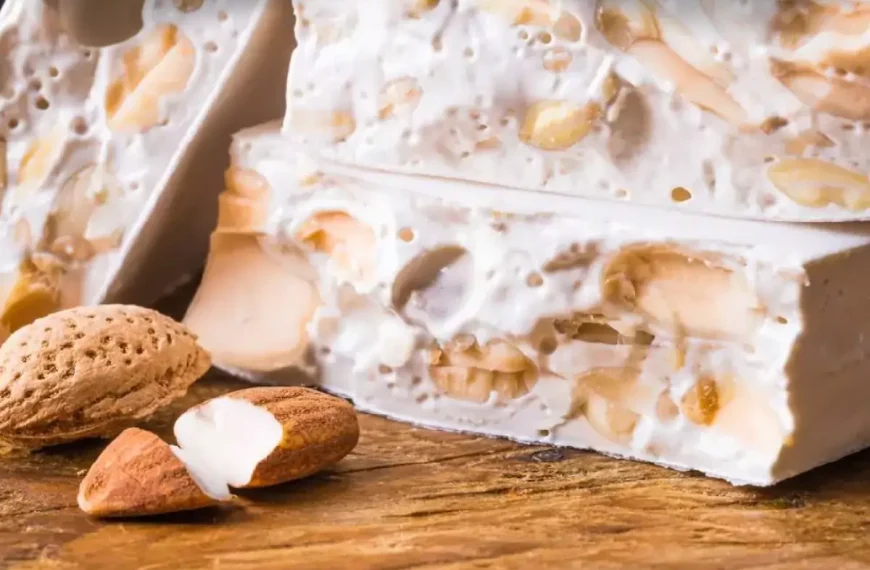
(264, 436)
(139, 475)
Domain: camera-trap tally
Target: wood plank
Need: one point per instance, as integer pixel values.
(414, 498)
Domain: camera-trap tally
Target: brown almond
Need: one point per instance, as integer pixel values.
(92, 371)
(138, 475)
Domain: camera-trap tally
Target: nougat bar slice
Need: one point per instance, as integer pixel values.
(114, 121)
(738, 348)
(743, 109)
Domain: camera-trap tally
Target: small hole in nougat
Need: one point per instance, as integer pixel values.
(548, 345)
(66, 346)
(106, 340)
(140, 350)
(110, 320)
(80, 335)
(534, 280)
(80, 126)
(25, 358)
(90, 354)
(128, 362)
(130, 321)
(680, 194)
(406, 234)
(151, 331)
(782, 320)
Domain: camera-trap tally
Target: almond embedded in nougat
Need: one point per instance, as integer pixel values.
(239, 312)
(139, 475)
(92, 371)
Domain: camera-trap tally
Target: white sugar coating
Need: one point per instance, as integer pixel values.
(743, 109)
(734, 347)
(107, 150)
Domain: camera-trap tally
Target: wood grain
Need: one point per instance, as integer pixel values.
(413, 498)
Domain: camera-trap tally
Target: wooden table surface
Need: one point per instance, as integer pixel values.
(413, 498)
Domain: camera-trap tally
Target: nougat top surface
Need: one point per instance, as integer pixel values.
(740, 109)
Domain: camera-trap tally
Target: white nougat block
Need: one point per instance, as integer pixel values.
(738, 348)
(115, 121)
(744, 109)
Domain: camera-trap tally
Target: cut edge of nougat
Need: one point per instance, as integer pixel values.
(820, 240)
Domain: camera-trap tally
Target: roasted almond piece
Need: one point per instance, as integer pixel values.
(264, 436)
(465, 370)
(558, 125)
(671, 287)
(138, 475)
(159, 66)
(91, 371)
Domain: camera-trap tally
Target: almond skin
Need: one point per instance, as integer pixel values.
(92, 371)
(319, 430)
(138, 475)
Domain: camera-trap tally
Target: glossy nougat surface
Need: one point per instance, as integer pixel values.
(743, 109)
(738, 348)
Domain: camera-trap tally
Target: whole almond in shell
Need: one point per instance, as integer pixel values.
(139, 475)
(264, 436)
(91, 371)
